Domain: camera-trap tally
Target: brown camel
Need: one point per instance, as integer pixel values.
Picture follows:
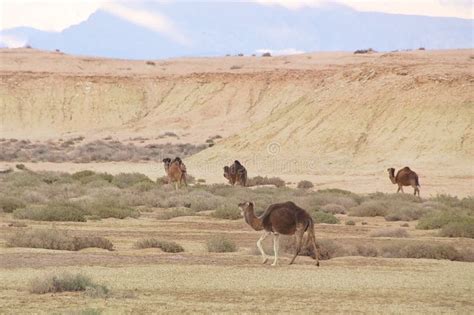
(176, 171)
(236, 174)
(281, 218)
(405, 177)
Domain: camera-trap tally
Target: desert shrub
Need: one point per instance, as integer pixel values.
(113, 211)
(391, 232)
(57, 240)
(200, 200)
(438, 219)
(350, 222)
(421, 250)
(404, 225)
(176, 212)
(9, 204)
(371, 208)
(323, 198)
(333, 208)
(448, 200)
(468, 203)
(144, 186)
(235, 67)
(323, 217)
(166, 246)
(220, 244)
(406, 213)
(364, 51)
(124, 180)
(305, 184)
(64, 283)
(366, 250)
(151, 63)
(23, 179)
(267, 54)
(459, 229)
(227, 211)
(85, 177)
(53, 211)
(259, 180)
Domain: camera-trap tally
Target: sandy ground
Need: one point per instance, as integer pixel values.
(150, 281)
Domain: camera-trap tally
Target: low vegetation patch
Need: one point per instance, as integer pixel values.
(227, 211)
(323, 217)
(65, 282)
(389, 232)
(176, 212)
(221, 244)
(9, 204)
(421, 250)
(260, 181)
(53, 211)
(333, 208)
(305, 184)
(350, 222)
(57, 240)
(459, 229)
(166, 246)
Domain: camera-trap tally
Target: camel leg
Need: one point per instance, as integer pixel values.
(401, 188)
(259, 245)
(299, 242)
(276, 245)
(312, 238)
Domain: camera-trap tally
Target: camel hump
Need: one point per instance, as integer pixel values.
(406, 168)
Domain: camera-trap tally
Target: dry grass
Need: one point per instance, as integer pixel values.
(62, 211)
(334, 208)
(73, 150)
(260, 181)
(9, 204)
(67, 283)
(459, 229)
(166, 246)
(176, 212)
(389, 232)
(57, 240)
(227, 211)
(220, 244)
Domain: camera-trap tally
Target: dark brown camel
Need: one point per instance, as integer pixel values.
(176, 171)
(405, 177)
(281, 218)
(236, 174)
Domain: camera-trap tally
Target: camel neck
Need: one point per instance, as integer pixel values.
(392, 178)
(253, 221)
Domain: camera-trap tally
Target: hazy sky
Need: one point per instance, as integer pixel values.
(56, 15)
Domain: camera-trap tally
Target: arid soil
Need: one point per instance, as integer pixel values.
(148, 280)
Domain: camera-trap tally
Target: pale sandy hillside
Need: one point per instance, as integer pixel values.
(308, 115)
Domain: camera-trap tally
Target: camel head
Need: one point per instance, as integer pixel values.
(227, 172)
(245, 207)
(391, 171)
(167, 162)
(177, 159)
(236, 162)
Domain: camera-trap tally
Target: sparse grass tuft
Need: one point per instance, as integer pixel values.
(166, 246)
(392, 232)
(350, 222)
(56, 239)
(220, 244)
(65, 283)
(176, 212)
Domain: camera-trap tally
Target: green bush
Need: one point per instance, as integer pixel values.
(459, 229)
(9, 204)
(54, 211)
(64, 283)
(220, 244)
(323, 217)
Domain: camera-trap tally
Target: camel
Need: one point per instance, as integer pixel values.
(281, 218)
(236, 173)
(176, 171)
(405, 177)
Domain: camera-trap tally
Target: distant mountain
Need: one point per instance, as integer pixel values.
(230, 28)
